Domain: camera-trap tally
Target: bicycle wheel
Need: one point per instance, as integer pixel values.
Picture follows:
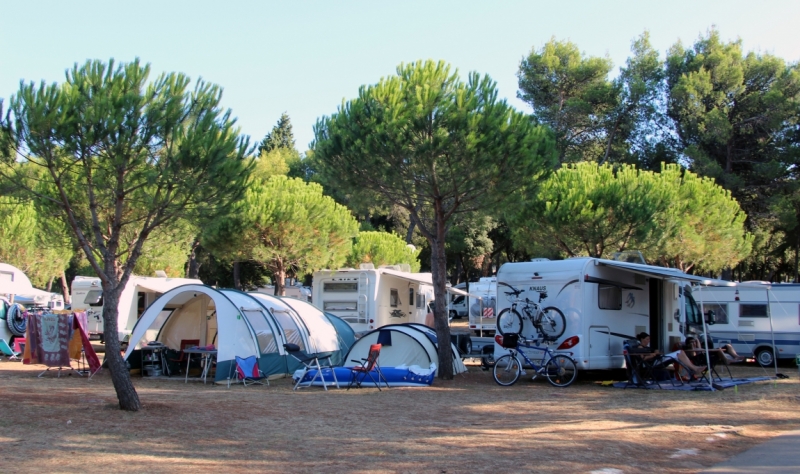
(553, 323)
(561, 371)
(509, 321)
(506, 370)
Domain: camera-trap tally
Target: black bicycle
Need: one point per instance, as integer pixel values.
(549, 322)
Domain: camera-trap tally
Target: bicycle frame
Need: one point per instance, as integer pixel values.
(546, 356)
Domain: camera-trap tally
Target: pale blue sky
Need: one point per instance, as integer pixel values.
(304, 57)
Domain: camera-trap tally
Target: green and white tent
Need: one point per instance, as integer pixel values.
(241, 324)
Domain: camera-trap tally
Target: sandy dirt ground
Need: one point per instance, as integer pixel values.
(470, 424)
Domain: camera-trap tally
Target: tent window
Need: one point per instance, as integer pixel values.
(394, 298)
(751, 310)
(266, 340)
(94, 298)
(411, 296)
(720, 312)
(609, 297)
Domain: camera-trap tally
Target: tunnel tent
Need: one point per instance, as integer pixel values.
(325, 333)
(402, 345)
(237, 324)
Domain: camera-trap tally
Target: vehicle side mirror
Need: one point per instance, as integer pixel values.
(711, 317)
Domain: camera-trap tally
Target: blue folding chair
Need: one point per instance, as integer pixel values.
(247, 372)
(7, 350)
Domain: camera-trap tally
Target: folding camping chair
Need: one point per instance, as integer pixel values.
(247, 372)
(182, 357)
(7, 350)
(366, 367)
(635, 365)
(312, 361)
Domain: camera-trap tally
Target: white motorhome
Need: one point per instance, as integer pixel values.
(458, 304)
(138, 294)
(604, 303)
(758, 319)
(483, 305)
(368, 297)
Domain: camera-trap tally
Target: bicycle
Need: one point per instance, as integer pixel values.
(559, 369)
(549, 322)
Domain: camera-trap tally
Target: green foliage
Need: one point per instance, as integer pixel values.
(572, 94)
(286, 225)
(590, 209)
(703, 227)
(382, 248)
(281, 136)
(42, 250)
(678, 218)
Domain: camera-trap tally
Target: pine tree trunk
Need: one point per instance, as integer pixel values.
(120, 375)
(237, 281)
(439, 270)
(65, 289)
(279, 274)
(193, 267)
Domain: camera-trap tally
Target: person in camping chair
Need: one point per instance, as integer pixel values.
(680, 356)
(693, 347)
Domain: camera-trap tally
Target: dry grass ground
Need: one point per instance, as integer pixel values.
(470, 424)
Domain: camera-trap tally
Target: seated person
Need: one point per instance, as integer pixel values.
(727, 350)
(680, 356)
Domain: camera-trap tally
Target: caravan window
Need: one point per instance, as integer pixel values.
(411, 296)
(340, 287)
(420, 300)
(752, 310)
(720, 312)
(94, 298)
(339, 306)
(394, 298)
(609, 297)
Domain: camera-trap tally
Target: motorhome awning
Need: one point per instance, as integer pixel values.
(664, 273)
(424, 278)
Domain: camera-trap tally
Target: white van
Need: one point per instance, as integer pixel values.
(758, 319)
(459, 304)
(139, 293)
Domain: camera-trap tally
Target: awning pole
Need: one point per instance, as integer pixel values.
(706, 338)
(772, 333)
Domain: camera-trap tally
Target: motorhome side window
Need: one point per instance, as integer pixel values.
(752, 310)
(720, 312)
(94, 298)
(411, 297)
(609, 297)
(394, 298)
(420, 300)
(340, 287)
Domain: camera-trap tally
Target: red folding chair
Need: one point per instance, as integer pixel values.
(360, 372)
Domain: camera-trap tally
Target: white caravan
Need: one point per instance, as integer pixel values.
(17, 288)
(138, 294)
(483, 305)
(368, 297)
(758, 319)
(604, 303)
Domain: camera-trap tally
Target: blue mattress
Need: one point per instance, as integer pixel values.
(402, 376)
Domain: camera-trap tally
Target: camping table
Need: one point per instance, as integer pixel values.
(206, 354)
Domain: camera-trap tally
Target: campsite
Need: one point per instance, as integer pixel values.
(469, 424)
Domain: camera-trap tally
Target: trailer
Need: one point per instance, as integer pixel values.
(483, 306)
(603, 303)
(138, 294)
(759, 319)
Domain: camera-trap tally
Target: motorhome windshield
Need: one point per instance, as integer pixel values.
(692, 311)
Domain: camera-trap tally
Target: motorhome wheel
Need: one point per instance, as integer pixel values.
(764, 357)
